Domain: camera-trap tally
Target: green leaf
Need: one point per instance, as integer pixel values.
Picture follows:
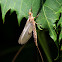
(61, 47)
(60, 23)
(44, 43)
(0, 1)
(48, 16)
(60, 10)
(61, 56)
(20, 6)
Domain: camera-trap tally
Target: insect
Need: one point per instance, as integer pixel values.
(27, 32)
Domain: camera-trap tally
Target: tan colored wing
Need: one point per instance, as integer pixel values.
(26, 33)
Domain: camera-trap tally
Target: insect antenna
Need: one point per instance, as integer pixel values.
(40, 53)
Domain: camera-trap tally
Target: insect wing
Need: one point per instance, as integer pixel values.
(26, 33)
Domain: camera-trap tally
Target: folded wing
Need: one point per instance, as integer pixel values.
(26, 33)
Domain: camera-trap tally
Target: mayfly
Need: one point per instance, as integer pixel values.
(27, 32)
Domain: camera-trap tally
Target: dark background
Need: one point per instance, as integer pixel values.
(9, 35)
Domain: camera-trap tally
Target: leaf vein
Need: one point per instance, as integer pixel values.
(21, 6)
(5, 5)
(58, 2)
(50, 8)
(47, 21)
